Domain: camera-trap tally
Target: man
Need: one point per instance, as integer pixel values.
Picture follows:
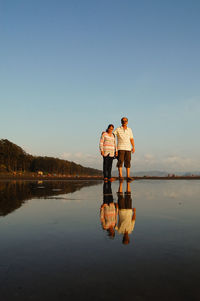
(127, 214)
(125, 145)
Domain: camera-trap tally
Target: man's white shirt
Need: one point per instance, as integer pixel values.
(125, 223)
(123, 138)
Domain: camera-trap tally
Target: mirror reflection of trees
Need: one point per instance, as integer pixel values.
(14, 193)
(118, 217)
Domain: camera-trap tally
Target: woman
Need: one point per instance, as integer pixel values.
(108, 150)
(108, 210)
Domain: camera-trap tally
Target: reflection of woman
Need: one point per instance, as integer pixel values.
(107, 147)
(108, 211)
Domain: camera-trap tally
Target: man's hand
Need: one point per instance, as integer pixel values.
(134, 214)
(133, 145)
(116, 154)
(102, 153)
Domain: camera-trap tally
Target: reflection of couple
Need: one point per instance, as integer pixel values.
(108, 148)
(109, 212)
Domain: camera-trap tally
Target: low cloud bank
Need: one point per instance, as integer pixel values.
(140, 162)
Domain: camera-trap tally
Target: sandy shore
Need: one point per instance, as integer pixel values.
(89, 178)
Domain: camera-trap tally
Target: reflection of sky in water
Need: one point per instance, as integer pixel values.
(168, 189)
(57, 241)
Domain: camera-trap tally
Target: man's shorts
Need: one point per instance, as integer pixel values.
(124, 156)
(125, 201)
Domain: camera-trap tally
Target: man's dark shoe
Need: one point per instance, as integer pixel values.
(111, 179)
(129, 179)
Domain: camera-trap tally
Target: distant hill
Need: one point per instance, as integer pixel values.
(189, 173)
(151, 173)
(14, 159)
(154, 173)
(157, 173)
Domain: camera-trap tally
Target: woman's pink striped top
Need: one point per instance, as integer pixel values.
(107, 144)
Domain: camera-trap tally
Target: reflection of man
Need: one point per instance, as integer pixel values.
(109, 210)
(125, 145)
(127, 214)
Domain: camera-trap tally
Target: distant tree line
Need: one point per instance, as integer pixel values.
(14, 159)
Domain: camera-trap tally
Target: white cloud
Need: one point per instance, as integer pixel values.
(83, 159)
(168, 163)
(79, 155)
(149, 157)
(66, 156)
(178, 161)
(140, 162)
(144, 161)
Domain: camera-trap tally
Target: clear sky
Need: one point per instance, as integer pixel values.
(69, 68)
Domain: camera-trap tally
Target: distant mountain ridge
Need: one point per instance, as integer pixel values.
(157, 173)
(152, 173)
(14, 159)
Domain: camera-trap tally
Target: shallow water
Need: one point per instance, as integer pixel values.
(53, 246)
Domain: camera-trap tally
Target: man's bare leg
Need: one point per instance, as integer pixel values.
(128, 172)
(128, 189)
(128, 175)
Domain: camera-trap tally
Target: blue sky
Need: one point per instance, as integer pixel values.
(69, 68)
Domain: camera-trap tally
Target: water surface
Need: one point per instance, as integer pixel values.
(55, 246)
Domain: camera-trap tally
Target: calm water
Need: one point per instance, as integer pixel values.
(55, 244)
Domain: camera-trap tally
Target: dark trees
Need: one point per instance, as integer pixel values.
(13, 159)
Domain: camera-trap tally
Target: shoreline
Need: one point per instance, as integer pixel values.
(89, 178)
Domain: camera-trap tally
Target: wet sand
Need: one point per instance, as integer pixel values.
(89, 178)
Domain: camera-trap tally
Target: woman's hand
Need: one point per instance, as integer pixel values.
(102, 153)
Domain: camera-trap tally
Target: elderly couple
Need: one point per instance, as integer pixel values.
(122, 150)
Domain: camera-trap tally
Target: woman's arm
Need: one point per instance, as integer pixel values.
(101, 144)
(115, 145)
